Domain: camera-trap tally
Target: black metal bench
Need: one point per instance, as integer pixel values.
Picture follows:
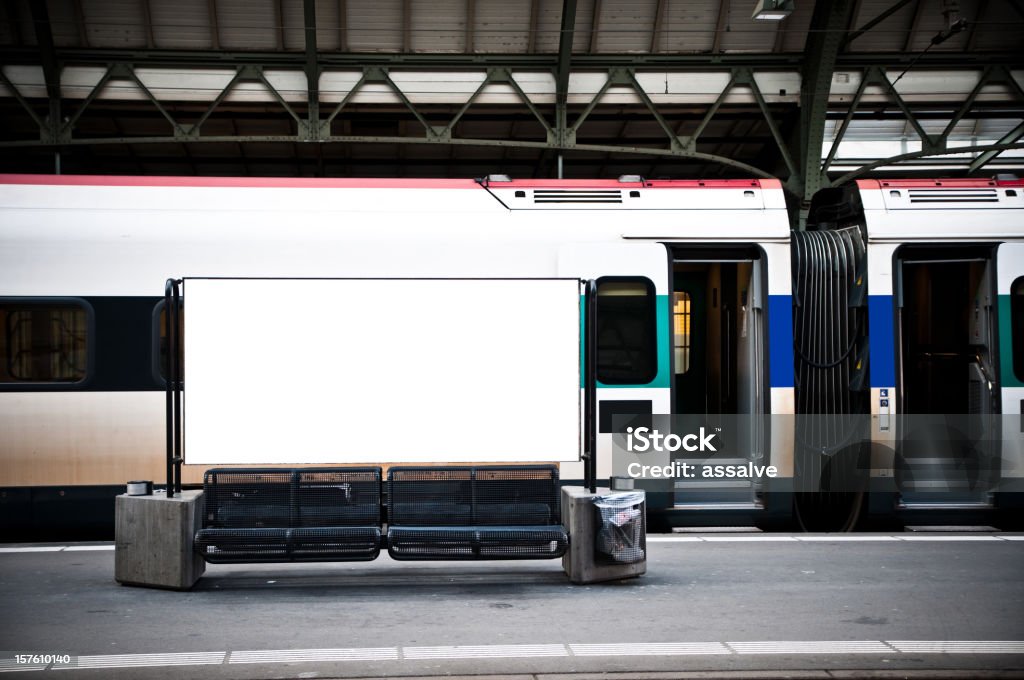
(279, 515)
(468, 513)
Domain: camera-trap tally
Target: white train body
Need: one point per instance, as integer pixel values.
(713, 255)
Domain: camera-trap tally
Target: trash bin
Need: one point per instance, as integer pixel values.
(621, 528)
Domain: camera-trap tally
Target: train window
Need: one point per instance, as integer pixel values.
(1017, 326)
(160, 343)
(43, 341)
(681, 331)
(626, 331)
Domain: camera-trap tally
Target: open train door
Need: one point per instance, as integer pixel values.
(948, 386)
(633, 350)
(1010, 289)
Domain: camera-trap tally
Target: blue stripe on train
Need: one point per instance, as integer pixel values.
(883, 355)
(780, 340)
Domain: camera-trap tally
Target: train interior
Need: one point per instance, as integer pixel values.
(718, 342)
(947, 330)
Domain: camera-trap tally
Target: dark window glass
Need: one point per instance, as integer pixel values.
(161, 339)
(43, 342)
(626, 332)
(1017, 326)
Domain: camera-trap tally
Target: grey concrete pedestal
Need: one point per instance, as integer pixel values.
(580, 561)
(153, 540)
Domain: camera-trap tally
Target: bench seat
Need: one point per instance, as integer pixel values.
(473, 513)
(302, 515)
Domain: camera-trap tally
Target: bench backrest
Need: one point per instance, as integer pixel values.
(306, 497)
(487, 495)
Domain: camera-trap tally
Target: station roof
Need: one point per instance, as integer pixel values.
(700, 75)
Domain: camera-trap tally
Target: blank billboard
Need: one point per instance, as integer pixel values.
(300, 371)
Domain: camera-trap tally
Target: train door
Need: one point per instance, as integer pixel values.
(719, 349)
(633, 350)
(947, 386)
(1010, 288)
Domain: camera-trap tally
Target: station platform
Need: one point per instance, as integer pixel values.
(909, 605)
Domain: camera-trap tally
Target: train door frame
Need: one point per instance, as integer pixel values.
(757, 299)
(918, 254)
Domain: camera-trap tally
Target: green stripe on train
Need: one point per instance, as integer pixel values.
(662, 320)
(1006, 348)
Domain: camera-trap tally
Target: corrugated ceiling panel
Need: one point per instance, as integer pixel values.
(794, 28)
(688, 26)
(181, 24)
(888, 36)
(626, 25)
(375, 25)
(62, 23)
(328, 25)
(293, 25)
(438, 26)
(1000, 28)
(114, 23)
(932, 22)
(247, 24)
(549, 25)
(501, 26)
(584, 21)
(743, 34)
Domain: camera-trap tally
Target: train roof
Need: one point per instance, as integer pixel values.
(943, 209)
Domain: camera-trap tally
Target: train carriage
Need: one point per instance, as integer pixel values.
(695, 314)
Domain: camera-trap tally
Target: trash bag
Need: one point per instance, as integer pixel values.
(621, 531)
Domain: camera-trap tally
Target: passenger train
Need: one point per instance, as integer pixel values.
(901, 298)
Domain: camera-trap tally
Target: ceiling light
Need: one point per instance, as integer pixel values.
(772, 10)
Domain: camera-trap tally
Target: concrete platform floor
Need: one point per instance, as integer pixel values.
(725, 606)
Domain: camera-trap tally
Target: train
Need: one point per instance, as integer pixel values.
(901, 298)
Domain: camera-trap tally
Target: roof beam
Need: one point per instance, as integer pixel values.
(475, 62)
(564, 66)
(48, 58)
(83, 35)
(214, 26)
(972, 26)
(406, 26)
(279, 22)
(531, 44)
(874, 22)
(723, 16)
(312, 67)
(595, 27)
(659, 13)
(986, 156)
(147, 22)
(914, 25)
(343, 25)
(825, 40)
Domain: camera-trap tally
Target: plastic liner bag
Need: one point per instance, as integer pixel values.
(621, 534)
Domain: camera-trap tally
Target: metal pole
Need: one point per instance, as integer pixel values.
(590, 390)
(560, 174)
(168, 386)
(176, 377)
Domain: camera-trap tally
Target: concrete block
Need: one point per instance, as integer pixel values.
(580, 562)
(153, 540)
